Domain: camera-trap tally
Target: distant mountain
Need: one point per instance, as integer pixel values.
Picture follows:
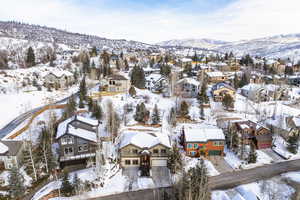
(280, 46)
(49, 35)
(197, 43)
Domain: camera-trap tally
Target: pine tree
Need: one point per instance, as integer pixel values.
(93, 52)
(236, 82)
(244, 81)
(30, 58)
(76, 184)
(138, 77)
(132, 91)
(227, 101)
(184, 109)
(16, 183)
(175, 160)
(70, 107)
(66, 187)
(155, 115)
(202, 115)
(252, 155)
(202, 96)
(165, 70)
(97, 111)
(172, 117)
(292, 141)
(141, 113)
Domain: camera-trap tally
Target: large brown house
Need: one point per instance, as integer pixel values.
(250, 132)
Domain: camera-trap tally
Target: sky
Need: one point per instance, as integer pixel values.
(152, 21)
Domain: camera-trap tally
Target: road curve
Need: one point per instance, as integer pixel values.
(220, 182)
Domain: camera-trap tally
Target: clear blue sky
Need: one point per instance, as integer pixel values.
(153, 20)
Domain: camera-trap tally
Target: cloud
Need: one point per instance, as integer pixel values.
(241, 19)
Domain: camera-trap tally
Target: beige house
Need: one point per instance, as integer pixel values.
(219, 91)
(117, 83)
(58, 79)
(144, 150)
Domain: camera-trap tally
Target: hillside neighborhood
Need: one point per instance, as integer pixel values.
(120, 120)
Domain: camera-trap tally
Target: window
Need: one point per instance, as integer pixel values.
(127, 162)
(192, 153)
(218, 143)
(135, 162)
(67, 140)
(155, 151)
(190, 146)
(135, 151)
(68, 150)
(196, 146)
(82, 148)
(163, 151)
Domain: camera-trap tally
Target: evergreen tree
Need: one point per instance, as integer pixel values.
(97, 111)
(76, 184)
(155, 115)
(141, 113)
(93, 52)
(126, 65)
(16, 183)
(252, 155)
(202, 115)
(202, 96)
(30, 58)
(188, 70)
(184, 109)
(165, 70)
(288, 70)
(292, 141)
(70, 107)
(172, 117)
(175, 160)
(227, 101)
(66, 187)
(138, 77)
(244, 81)
(236, 82)
(132, 91)
(82, 93)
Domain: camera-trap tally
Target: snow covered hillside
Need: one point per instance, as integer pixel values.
(50, 35)
(201, 43)
(280, 46)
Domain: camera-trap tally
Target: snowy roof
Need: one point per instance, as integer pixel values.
(221, 85)
(296, 121)
(214, 74)
(66, 128)
(203, 134)
(144, 139)
(3, 148)
(189, 81)
(154, 77)
(186, 60)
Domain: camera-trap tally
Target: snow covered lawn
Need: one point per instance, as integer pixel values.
(294, 176)
(236, 163)
(192, 162)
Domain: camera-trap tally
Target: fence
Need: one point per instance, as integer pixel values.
(36, 114)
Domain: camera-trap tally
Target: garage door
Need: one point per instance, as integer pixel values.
(159, 162)
(214, 153)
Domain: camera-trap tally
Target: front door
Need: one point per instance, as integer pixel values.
(145, 165)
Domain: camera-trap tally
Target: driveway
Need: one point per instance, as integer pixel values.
(220, 164)
(161, 176)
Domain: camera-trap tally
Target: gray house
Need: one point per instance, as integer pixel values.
(77, 139)
(188, 87)
(10, 154)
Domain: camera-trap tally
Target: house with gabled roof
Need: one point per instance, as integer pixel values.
(144, 149)
(188, 87)
(77, 138)
(10, 153)
(219, 90)
(205, 141)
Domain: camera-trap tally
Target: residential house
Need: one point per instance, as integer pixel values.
(117, 83)
(250, 132)
(58, 79)
(157, 83)
(144, 150)
(215, 77)
(10, 153)
(219, 90)
(255, 92)
(188, 87)
(284, 125)
(77, 139)
(208, 141)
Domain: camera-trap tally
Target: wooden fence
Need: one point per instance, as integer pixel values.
(36, 114)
